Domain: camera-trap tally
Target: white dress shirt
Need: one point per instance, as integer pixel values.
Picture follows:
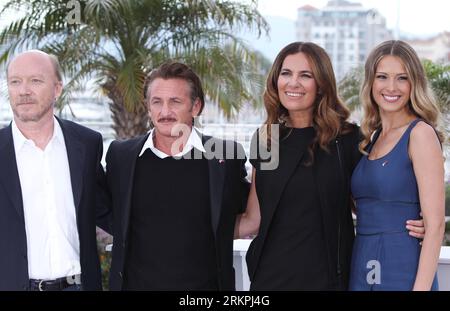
(194, 141)
(53, 246)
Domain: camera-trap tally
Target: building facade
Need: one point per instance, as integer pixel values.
(346, 30)
(436, 49)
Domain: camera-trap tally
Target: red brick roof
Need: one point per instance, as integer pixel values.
(308, 8)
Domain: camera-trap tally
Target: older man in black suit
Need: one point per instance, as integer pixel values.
(52, 186)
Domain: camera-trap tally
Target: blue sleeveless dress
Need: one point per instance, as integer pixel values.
(385, 256)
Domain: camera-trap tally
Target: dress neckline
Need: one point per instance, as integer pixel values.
(377, 135)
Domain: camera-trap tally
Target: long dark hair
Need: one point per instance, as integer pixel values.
(329, 113)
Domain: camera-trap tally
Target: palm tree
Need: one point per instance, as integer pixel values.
(349, 86)
(117, 42)
(439, 78)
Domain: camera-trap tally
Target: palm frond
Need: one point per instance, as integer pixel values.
(349, 87)
(116, 42)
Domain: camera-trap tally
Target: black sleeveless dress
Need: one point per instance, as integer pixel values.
(294, 253)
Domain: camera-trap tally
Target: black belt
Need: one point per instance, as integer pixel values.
(53, 285)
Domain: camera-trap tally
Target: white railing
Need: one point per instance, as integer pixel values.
(240, 265)
(444, 269)
(243, 282)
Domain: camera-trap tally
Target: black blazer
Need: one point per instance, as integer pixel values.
(332, 173)
(84, 151)
(228, 195)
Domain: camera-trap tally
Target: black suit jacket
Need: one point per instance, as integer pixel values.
(84, 151)
(228, 195)
(332, 171)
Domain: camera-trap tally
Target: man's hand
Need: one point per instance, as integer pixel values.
(416, 228)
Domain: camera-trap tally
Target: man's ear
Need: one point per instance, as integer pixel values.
(196, 107)
(58, 89)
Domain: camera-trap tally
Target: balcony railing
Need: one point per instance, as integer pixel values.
(243, 282)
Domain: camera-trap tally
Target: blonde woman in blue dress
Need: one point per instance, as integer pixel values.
(400, 175)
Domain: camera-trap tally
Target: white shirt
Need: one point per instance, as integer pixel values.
(194, 141)
(53, 246)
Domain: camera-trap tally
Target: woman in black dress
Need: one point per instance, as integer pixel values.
(300, 208)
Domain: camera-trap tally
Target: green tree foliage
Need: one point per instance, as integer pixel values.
(439, 78)
(349, 86)
(117, 42)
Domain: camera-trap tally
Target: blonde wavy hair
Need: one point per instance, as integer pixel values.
(422, 102)
(329, 113)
